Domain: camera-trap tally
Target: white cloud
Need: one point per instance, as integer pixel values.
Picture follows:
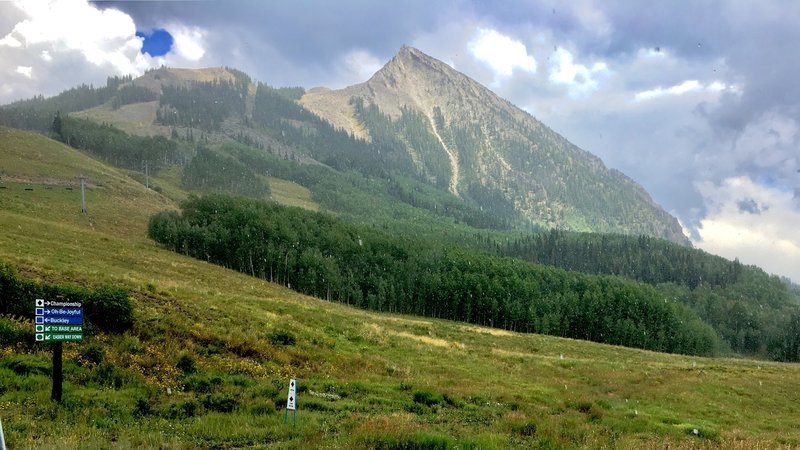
(103, 37)
(768, 237)
(61, 44)
(354, 66)
(685, 87)
(10, 41)
(578, 78)
(25, 70)
(362, 64)
(189, 42)
(501, 53)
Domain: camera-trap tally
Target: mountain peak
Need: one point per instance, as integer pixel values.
(476, 144)
(412, 59)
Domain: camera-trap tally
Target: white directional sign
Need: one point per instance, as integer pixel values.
(292, 400)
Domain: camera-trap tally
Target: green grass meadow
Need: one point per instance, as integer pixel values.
(208, 361)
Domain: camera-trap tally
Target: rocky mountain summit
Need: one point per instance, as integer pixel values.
(494, 150)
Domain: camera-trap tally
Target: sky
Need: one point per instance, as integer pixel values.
(696, 100)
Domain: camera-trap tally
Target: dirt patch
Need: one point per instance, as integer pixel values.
(501, 352)
(436, 342)
(492, 331)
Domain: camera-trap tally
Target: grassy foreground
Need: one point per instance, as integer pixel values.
(208, 362)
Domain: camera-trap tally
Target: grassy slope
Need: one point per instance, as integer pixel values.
(358, 371)
(136, 118)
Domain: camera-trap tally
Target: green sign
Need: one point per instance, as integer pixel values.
(71, 329)
(58, 337)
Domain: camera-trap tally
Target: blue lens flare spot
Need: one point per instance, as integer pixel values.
(157, 42)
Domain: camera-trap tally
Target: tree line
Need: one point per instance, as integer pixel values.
(210, 171)
(114, 146)
(322, 256)
(203, 105)
(37, 112)
(754, 312)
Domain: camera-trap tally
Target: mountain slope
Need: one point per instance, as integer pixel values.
(416, 122)
(208, 360)
(492, 146)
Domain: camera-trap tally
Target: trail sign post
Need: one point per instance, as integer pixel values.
(58, 321)
(291, 402)
(83, 194)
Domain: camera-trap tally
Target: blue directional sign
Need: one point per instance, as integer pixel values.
(61, 320)
(58, 320)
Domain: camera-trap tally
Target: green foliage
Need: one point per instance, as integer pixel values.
(282, 337)
(526, 429)
(215, 172)
(108, 308)
(416, 441)
(322, 256)
(201, 105)
(117, 147)
(375, 201)
(202, 382)
(108, 374)
(15, 332)
(131, 93)
(186, 363)
(180, 410)
(224, 403)
(428, 398)
(27, 365)
(749, 309)
(37, 113)
(293, 125)
(291, 93)
(93, 353)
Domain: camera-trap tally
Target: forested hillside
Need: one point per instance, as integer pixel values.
(321, 256)
(536, 182)
(37, 113)
(755, 313)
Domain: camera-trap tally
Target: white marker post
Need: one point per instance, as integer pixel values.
(2, 437)
(291, 402)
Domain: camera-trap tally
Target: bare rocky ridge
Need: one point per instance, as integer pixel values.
(548, 179)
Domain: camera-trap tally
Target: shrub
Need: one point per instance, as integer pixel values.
(202, 383)
(180, 410)
(14, 332)
(186, 363)
(220, 402)
(142, 407)
(93, 353)
(110, 308)
(428, 398)
(526, 429)
(263, 408)
(418, 441)
(27, 365)
(107, 374)
(281, 337)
